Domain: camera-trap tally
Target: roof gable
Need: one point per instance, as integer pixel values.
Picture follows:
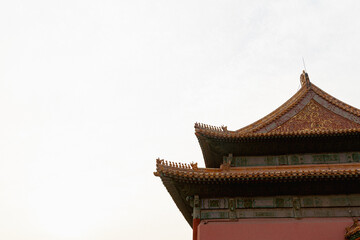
(310, 121)
(308, 110)
(315, 117)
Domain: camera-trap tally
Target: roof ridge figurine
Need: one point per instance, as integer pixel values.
(304, 79)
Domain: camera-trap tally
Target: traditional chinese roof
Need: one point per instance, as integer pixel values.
(310, 113)
(308, 146)
(185, 180)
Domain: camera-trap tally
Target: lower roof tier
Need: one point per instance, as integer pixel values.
(184, 181)
(191, 173)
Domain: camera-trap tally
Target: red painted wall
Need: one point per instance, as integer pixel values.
(275, 229)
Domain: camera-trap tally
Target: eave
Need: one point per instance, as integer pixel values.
(215, 148)
(182, 181)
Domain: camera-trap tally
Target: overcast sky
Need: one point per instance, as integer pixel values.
(92, 92)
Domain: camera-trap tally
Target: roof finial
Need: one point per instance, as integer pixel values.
(304, 79)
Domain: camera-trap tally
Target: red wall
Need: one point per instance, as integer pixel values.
(275, 229)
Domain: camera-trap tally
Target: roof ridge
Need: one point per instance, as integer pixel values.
(335, 101)
(281, 110)
(297, 97)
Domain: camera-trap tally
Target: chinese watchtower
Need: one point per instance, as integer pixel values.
(294, 174)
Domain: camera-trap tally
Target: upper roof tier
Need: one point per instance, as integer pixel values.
(310, 113)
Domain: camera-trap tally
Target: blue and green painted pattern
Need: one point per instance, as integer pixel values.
(327, 158)
(280, 206)
(355, 236)
(282, 202)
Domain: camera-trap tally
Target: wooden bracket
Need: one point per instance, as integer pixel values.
(196, 207)
(296, 207)
(232, 208)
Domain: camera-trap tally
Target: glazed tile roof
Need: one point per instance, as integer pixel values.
(234, 135)
(191, 173)
(311, 111)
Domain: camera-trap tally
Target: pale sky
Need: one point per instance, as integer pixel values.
(92, 92)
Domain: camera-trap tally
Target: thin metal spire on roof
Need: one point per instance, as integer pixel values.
(304, 64)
